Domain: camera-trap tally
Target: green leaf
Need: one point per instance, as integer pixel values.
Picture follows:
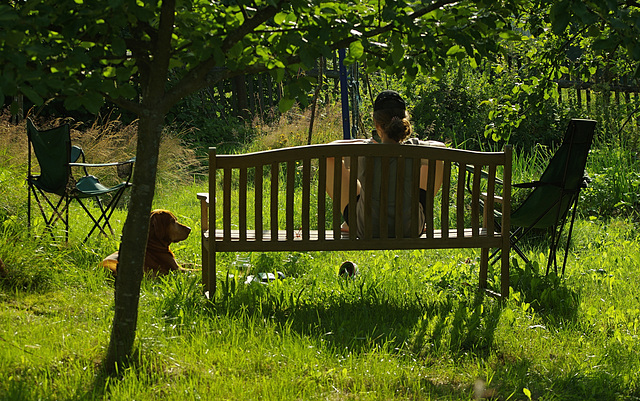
(635, 52)
(109, 72)
(72, 102)
(356, 50)
(560, 16)
(32, 95)
(397, 52)
(278, 74)
(13, 38)
(285, 104)
(585, 15)
(93, 101)
(510, 35)
(127, 91)
(308, 56)
(606, 43)
(280, 18)
(455, 49)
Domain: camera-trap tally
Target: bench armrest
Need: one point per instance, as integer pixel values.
(204, 210)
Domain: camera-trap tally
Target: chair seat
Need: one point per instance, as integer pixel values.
(90, 186)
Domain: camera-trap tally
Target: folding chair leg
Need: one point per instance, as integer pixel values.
(555, 239)
(66, 221)
(573, 218)
(105, 213)
(56, 213)
(29, 204)
(496, 254)
(552, 253)
(96, 223)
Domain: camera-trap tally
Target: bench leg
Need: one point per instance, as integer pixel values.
(504, 273)
(212, 275)
(484, 266)
(205, 269)
(208, 272)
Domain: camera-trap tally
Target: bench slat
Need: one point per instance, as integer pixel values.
(384, 199)
(273, 206)
(415, 193)
(475, 200)
(291, 177)
(242, 201)
(322, 194)
(460, 199)
(444, 206)
(368, 196)
(258, 199)
(306, 196)
(226, 190)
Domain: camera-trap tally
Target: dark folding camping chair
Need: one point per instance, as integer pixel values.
(56, 185)
(555, 195)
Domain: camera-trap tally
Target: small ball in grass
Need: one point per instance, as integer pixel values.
(348, 269)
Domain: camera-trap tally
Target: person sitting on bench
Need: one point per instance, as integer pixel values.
(392, 124)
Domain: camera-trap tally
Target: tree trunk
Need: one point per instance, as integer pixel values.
(133, 244)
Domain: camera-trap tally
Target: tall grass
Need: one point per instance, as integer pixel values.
(410, 326)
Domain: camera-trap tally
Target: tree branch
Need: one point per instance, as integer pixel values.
(198, 78)
(161, 55)
(205, 74)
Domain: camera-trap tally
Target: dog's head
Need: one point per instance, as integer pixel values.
(164, 227)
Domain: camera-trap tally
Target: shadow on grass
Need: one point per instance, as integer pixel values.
(462, 326)
(369, 316)
(547, 294)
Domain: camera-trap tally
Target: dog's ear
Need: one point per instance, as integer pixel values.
(156, 227)
(160, 223)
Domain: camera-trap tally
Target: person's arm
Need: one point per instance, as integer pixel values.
(346, 160)
(424, 170)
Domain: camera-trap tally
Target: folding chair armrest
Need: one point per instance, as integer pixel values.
(124, 169)
(496, 199)
(130, 161)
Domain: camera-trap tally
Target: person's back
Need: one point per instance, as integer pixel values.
(378, 171)
(392, 124)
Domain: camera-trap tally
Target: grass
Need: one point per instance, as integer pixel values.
(410, 326)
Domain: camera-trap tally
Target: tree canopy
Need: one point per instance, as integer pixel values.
(121, 51)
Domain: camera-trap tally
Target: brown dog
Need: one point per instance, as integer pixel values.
(163, 230)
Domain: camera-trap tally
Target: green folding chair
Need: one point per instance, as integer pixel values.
(555, 195)
(55, 186)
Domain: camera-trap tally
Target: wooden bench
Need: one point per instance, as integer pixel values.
(276, 200)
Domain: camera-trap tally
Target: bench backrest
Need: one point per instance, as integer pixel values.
(276, 199)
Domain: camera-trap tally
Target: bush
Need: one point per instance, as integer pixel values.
(203, 124)
(450, 113)
(457, 110)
